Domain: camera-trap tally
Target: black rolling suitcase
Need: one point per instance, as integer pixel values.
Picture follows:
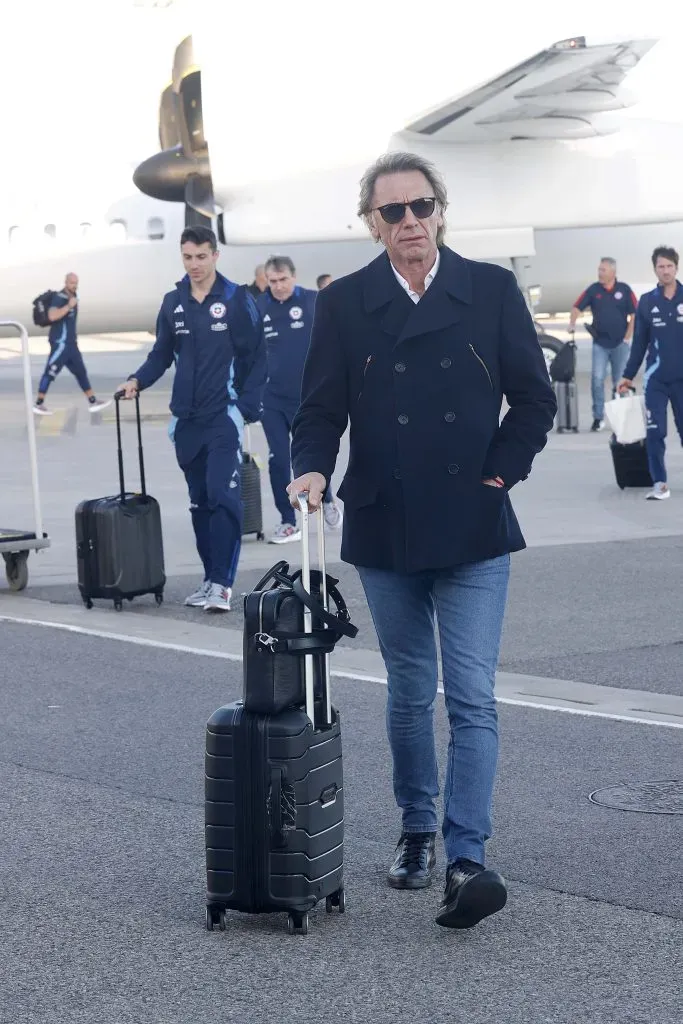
(250, 485)
(631, 467)
(119, 546)
(274, 811)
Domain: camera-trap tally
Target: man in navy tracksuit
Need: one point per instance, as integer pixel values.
(659, 337)
(64, 350)
(212, 330)
(287, 311)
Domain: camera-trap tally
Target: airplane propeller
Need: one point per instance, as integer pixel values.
(181, 172)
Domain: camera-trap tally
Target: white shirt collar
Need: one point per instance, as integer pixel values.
(428, 279)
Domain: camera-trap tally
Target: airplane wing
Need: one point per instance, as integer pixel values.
(560, 93)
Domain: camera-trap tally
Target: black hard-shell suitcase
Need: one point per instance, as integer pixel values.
(119, 545)
(275, 636)
(250, 486)
(631, 467)
(274, 811)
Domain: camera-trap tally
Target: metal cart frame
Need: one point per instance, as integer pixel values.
(15, 545)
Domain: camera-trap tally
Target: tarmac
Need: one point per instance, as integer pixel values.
(102, 718)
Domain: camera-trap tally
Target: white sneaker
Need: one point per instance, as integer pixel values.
(332, 515)
(660, 492)
(217, 598)
(41, 410)
(285, 534)
(96, 406)
(198, 598)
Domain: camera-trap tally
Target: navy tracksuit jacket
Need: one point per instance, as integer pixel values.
(658, 337)
(287, 329)
(220, 369)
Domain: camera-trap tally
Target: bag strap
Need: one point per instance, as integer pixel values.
(340, 622)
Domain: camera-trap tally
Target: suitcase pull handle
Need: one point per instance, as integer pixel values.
(117, 402)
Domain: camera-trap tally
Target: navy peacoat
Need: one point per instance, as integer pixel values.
(422, 385)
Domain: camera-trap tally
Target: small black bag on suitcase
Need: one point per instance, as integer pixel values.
(250, 485)
(274, 811)
(275, 636)
(119, 546)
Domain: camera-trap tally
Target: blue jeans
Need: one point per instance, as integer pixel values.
(468, 603)
(602, 358)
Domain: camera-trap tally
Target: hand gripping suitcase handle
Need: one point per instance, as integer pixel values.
(117, 402)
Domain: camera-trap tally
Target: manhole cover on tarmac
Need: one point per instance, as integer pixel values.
(647, 797)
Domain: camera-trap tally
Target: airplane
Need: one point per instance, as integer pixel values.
(552, 174)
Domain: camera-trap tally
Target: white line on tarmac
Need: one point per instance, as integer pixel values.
(340, 674)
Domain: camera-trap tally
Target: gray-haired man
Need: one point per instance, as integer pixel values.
(417, 350)
(613, 305)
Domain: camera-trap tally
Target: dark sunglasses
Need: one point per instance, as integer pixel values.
(393, 213)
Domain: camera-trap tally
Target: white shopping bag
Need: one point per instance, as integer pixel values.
(626, 416)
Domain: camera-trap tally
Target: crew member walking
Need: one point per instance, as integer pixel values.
(659, 339)
(287, 311)
(211, 328)
(613, 305)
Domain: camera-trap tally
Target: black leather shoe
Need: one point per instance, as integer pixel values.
(472, 892)
(414, 861)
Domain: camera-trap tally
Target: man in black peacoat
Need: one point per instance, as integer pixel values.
(417, 351)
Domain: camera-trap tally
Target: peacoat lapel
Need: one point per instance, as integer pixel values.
(439, 307)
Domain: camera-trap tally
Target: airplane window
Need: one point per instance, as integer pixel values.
(51, 230)
(155, 228)
(118, 231)
(85, 228)
(14, 234)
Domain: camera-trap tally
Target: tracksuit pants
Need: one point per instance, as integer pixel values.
(277, 426)
(61, 356)
(209, 456)
(658, 394)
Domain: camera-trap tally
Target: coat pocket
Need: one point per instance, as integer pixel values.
(481, 363)
(357, 492)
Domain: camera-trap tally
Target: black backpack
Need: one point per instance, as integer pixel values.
(41, 304)
(563, 366)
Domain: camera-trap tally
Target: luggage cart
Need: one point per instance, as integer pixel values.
(15, 545)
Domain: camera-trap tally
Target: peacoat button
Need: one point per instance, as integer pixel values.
(397, 474)
(403, 419)
(449, 417)
(400, 367)
(453, 469)
(445, 363)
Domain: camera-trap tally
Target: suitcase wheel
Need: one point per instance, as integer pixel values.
(159, 598)
(297, 922)
(87, 602)
(336, 900)
(260, 535)
(118, 605)
(214, 915)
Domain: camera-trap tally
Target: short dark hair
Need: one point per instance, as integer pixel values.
(280, 263)
(199, 236)
(666, 253)
(320, 278)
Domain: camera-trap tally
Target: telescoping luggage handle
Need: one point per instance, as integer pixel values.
(117, 401)
(309, 677)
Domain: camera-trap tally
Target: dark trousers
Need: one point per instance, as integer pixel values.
(658, 394)
(61, 356)
(277, 426)
(209, 458)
